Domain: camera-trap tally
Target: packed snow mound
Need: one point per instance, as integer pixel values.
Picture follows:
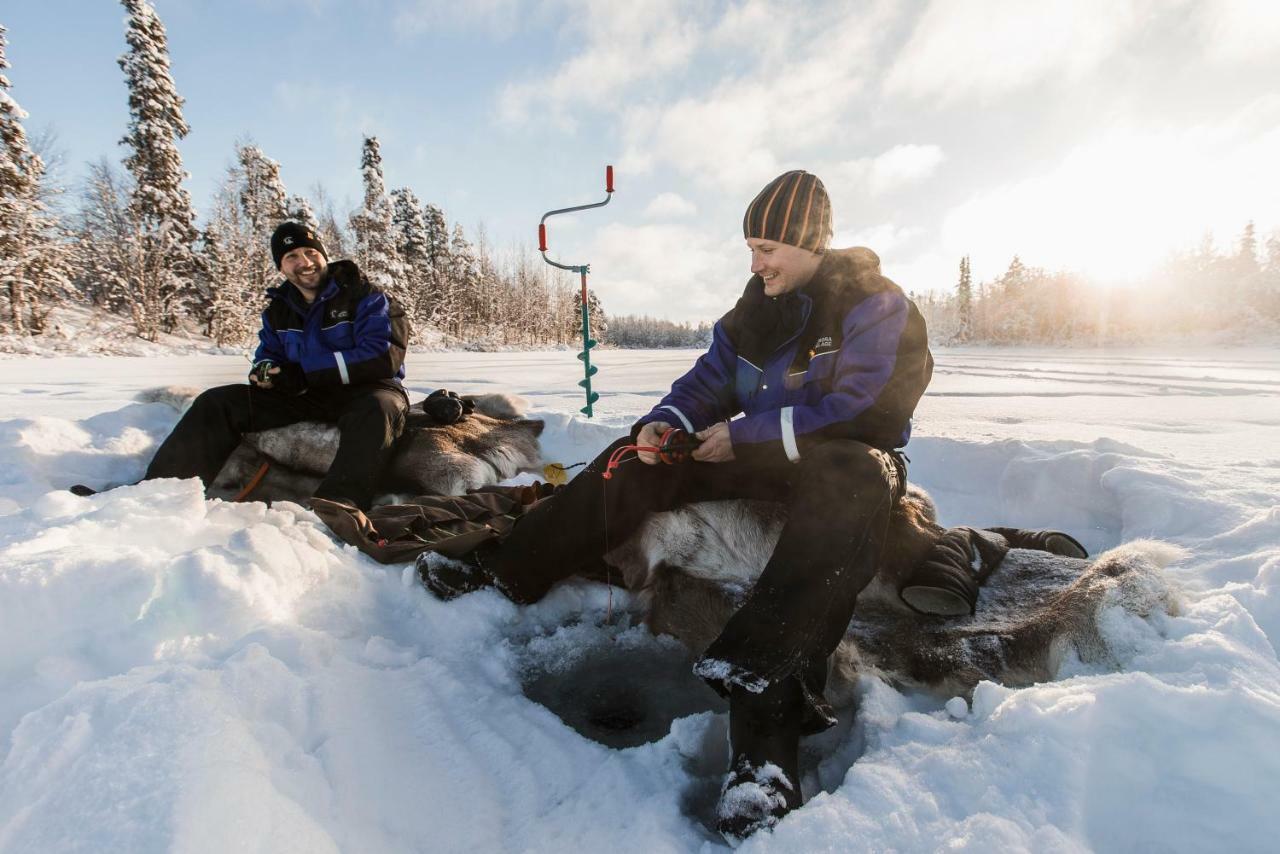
(183, 674)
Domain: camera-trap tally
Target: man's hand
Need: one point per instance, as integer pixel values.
(716, 445)
(258, 374)
(651, 435)
(287, 379)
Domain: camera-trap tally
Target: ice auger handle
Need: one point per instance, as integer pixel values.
(581, 269)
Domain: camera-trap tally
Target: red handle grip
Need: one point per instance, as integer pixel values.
(608, 179)
(542, 237)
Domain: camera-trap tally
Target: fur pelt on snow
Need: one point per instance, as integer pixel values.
(694, 565)
(488, 446)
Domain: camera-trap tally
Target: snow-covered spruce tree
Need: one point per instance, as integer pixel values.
(264, 204)
(439, 264)
(300, 211)
(160, 288)
(236, 246)
(964, 302)
(463, 279)
(33, 262)
(233, 311)
(336, 239)
(409, 228)
(375, 244)
(101, 236)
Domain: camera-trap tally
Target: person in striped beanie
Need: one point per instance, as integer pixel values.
(823, 360)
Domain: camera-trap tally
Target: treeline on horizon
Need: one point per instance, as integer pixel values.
(128, 243)
(1233, 293)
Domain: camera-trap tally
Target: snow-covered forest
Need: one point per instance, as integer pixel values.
(127, 241)
(130, 242)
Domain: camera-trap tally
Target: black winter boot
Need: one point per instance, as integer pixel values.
(946, 582)
(1054, 542)
(763, 783)
(448, 579)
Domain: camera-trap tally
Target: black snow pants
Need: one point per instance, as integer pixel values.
(838, 498)
(369, 416)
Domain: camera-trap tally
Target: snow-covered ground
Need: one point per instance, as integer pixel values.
(185, 675)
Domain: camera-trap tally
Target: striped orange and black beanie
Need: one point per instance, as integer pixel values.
(793, 208)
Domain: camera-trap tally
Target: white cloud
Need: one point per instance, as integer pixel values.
(668, 206)
(625, 44)
(984, 48)
(885, 238)
(673, 271)
(1241, 31)
(899, 166)
(1119, 203)
(791, 102)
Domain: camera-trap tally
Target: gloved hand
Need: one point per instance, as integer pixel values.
(287, 378)
(446, 407)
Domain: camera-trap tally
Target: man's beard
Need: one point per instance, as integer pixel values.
(298, 279)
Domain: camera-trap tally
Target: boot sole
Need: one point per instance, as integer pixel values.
(1060, 544)
(936, 601)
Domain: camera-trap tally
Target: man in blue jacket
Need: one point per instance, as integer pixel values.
(825, 359)
(331, 349)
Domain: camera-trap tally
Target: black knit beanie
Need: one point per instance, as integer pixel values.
(793, 208)
(291, 235)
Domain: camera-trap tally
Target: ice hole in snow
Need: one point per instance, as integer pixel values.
(618, 684)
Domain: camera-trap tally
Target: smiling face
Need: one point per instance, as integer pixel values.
(782, 266)
(305, 268)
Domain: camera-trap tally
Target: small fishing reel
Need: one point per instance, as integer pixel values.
(677, 446)
(259, 370)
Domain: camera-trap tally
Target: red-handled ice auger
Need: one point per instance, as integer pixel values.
(582, 269)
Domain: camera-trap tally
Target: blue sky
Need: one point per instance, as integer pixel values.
(1096, 134)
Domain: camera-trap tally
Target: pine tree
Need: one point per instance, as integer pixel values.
(233, 311)
(159, 205)
(438, 264)
(599, 322)
(463, 282)
(300, 211)
(964, 302)
(32, 257)
(332, 234)
(1247, 257)
(409, 228)
(375, 245)
(264, 204)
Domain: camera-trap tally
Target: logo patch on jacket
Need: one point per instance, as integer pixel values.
(340, 314)
(824, 341)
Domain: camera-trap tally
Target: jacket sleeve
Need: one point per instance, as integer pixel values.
(381, 334)
(705, 394)
(873, 344)
(270, 347)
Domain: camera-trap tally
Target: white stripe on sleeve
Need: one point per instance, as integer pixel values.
(688, 426)
(789, 435)
(342, 368)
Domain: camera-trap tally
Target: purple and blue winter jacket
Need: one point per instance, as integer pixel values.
(852, 365)
(352, 333)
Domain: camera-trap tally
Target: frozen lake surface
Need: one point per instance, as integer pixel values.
(180, 674)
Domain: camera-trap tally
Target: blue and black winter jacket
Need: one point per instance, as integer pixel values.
(846, 356)
(352, 333)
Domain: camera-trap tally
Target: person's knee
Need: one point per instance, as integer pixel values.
(387, 407)
(844, 458)
(846, 467)
(220, 397)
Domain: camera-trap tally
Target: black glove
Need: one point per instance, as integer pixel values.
(446, 407)
(286, 378)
